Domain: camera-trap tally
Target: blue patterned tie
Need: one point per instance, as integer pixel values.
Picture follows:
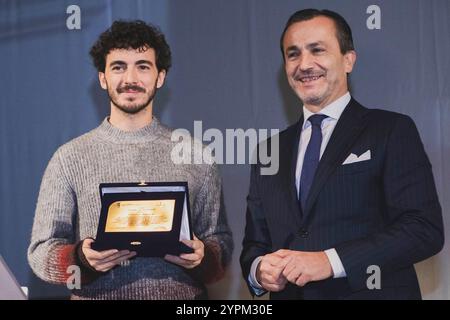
(312, 156)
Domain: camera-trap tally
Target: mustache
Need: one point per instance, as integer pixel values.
(130, 87)
(298, 74)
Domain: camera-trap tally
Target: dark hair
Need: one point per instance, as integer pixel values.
(343, 31)
(131, 35)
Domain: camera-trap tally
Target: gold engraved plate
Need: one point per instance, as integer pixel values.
(140, 216)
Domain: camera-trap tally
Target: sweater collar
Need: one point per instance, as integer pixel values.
(113, 134)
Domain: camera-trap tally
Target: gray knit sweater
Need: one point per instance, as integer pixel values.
(68, 210)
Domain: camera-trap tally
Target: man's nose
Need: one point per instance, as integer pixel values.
(130, 76)
(306, 62)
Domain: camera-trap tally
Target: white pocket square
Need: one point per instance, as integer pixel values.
(352, 158)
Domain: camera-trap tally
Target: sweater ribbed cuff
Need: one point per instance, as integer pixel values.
(88, 273)
(211, 268)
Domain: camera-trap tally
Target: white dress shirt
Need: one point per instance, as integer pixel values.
(333, 112)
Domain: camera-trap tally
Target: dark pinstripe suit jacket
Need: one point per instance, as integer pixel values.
(384, 211)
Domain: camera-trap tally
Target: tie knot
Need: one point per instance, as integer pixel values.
(316, 119)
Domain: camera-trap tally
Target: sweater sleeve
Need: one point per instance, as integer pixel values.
(53, 246)
(211, 227)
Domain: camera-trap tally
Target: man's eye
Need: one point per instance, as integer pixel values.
(318, 50)
(144, 67)
(117, 68)
(292, 54)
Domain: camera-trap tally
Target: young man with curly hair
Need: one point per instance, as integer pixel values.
(132, 59)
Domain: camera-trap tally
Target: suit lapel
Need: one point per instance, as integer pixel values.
(347, 130)
(288, 166)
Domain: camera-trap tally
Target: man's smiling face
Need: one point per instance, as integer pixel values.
(131, 78)
(315, 67)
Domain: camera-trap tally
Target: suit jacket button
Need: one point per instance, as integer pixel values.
(303, 233)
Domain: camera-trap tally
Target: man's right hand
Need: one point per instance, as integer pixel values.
(104, 260)
(269, 272)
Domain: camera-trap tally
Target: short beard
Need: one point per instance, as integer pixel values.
(133, 109)
(314, 101)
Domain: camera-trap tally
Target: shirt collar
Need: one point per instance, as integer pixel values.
(333, 110)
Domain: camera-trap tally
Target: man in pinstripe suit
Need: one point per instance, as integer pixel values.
(355, 190)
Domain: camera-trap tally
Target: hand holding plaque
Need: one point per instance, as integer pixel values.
(189, 260)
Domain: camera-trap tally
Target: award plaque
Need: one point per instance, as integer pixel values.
(148, 217)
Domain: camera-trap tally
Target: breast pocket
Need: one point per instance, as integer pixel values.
(354, 168)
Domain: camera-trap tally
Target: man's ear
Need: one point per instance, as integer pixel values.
(161, 78)
(349, 60)
(102, 80)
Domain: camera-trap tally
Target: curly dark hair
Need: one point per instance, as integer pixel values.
(131, 34)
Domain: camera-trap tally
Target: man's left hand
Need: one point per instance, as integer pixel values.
(305, 267)
(189, 260)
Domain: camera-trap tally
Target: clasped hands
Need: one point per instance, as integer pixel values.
(276, 269)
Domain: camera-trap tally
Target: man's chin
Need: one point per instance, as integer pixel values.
(131, 109)
(311, 99)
